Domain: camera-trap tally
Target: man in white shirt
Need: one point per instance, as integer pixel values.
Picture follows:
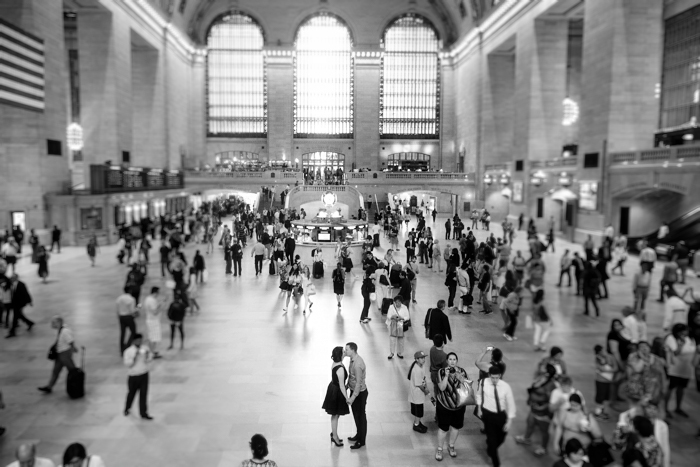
(635, 327)
(26, 456)
(675, 310)
(496, 406)
(126, 309)
(152, 306)
(258, 252)
(65, 348)
(137, 359)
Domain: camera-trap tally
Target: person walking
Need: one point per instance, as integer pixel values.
(496, 406)
(19, 298)
(437, 322)
(541, 321)
(451, 277)
(42, 259)
(512, 304)
(164, 258)
(137, 359)
(126, 313)
(358, 394)
(236, 256)
(61, 353)
(591, 282)
(397, 322)
(199, 266)
(368, 288)
(437, 256)
(464, 299)
(258, 252)
(134, 281)
(338, 277)
(640, 288)
(450, 416)
(681, 359)
(336, 401)
(539, 417)
(258, 446)
(152, 306)
(92, 248)
(418, 389)
(448, 229)
(579, 267)
(228, 258)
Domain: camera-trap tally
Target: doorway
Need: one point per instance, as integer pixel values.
(624, 220)
(19, 219)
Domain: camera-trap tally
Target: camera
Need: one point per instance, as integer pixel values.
(452, 370)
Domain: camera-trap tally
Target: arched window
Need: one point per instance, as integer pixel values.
(236, 88)
(410, 83)
(323, 79)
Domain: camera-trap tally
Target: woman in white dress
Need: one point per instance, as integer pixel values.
(192, 291)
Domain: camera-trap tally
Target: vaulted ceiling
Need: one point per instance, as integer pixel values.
(366, 18)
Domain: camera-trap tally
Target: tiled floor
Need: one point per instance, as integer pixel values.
(248, 369)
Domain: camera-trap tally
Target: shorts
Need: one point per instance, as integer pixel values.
(417, 410)
(603, 391)
(677, 382)
(450, 418)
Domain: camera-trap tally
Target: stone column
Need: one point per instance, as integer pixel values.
(198, 117)
(148, 124)
(104, 47)
(448, 147)
(541, 49)
(280, 105)
(367, 78)
(498, 119)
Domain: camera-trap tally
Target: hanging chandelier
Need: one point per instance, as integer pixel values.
(74, 137)
(570, 112)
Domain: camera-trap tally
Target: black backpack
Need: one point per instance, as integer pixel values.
(176, 311)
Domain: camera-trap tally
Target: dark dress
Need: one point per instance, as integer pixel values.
(338, 282)
(335, 403)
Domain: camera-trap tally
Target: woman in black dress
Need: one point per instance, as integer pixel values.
(338, 277)
(42, 257)
(336, 401)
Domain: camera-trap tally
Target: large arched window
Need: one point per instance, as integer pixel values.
(410, 84)
(323, 79)
(236, 88)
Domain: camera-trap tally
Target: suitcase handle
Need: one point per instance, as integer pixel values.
(82, 359)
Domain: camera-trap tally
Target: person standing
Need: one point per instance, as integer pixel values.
(164, 258)
(92, 247)
(20, 298)
(450, 418)
(437, 322)
(176, 314)
(541, 321)
(61, 353)
(336, 401)
(418, 389)
(236, 256)
(591, 282)
(126, 312)
(134, 280)
(647, 256)
(137, 359)
(681, 358)
(681, 255)
(34, 243)
(258, 252)
(448, 229)
(152, 307)
(199, 266)
(565, 268)
(258, 446)
(9, 251)
(579, 266)
(368, 288)
(434, 214)
(521, 221)
(496, 405)
(358, 394)
(396, 318)
(289, 246)
(228, 258)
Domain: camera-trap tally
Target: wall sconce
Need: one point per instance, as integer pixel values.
(536, 181)
(565, 180)
(505, 179)
(488, 179)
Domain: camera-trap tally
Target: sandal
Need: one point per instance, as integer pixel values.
(438, 454)
(451, 450)
(539, 452)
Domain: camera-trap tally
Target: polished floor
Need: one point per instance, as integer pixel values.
(247, 368)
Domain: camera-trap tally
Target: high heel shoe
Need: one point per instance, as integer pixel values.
(339, 444)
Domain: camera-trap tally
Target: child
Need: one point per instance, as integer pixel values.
(605, 368)
(418, 389)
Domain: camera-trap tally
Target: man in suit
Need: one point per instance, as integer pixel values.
(20, 298)
(289, 247)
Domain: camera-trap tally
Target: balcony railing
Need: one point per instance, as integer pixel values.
(554, 163)
(655, 156)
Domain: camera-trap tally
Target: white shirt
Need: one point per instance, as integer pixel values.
(609, 231)
(675, 311)
(401, 312)
(136, 359)
(126, 305)
(65, 339)
(38, 462)
(9, 250)
(415, 393)
(150, 305)
(636, 330)
(505, 397)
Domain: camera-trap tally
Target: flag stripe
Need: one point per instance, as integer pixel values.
(8, 51)
(21, 50)
(22, 63)
(7, 35)
(22, 34)
(14, 98)
(22, 77)
(21, 88)
(12, 66)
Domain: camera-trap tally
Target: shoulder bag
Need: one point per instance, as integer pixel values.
(53, 350)
(427, 326)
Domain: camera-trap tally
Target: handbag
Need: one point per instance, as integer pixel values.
(373, 296)
(406, 325)
(465, 394)
(427, 326)
(53, 350)
(394, 329)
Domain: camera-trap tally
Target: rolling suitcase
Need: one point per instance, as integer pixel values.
(318, 269)
(272, 267)
(386, 303)
(75, 381)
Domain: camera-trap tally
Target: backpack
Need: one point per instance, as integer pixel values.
(176, 311)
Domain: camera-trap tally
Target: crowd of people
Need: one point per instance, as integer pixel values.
(636, 375)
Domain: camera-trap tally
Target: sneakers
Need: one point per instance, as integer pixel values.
(522, 440)
(364, 321)
(420, 428)
(438, 454)
(45, 389)
(508, 338)
(451, 450)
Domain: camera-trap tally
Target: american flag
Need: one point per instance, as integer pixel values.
(21, 68)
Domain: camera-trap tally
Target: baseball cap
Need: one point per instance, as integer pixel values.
(419, 354)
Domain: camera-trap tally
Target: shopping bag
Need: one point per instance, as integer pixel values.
(205, 276)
